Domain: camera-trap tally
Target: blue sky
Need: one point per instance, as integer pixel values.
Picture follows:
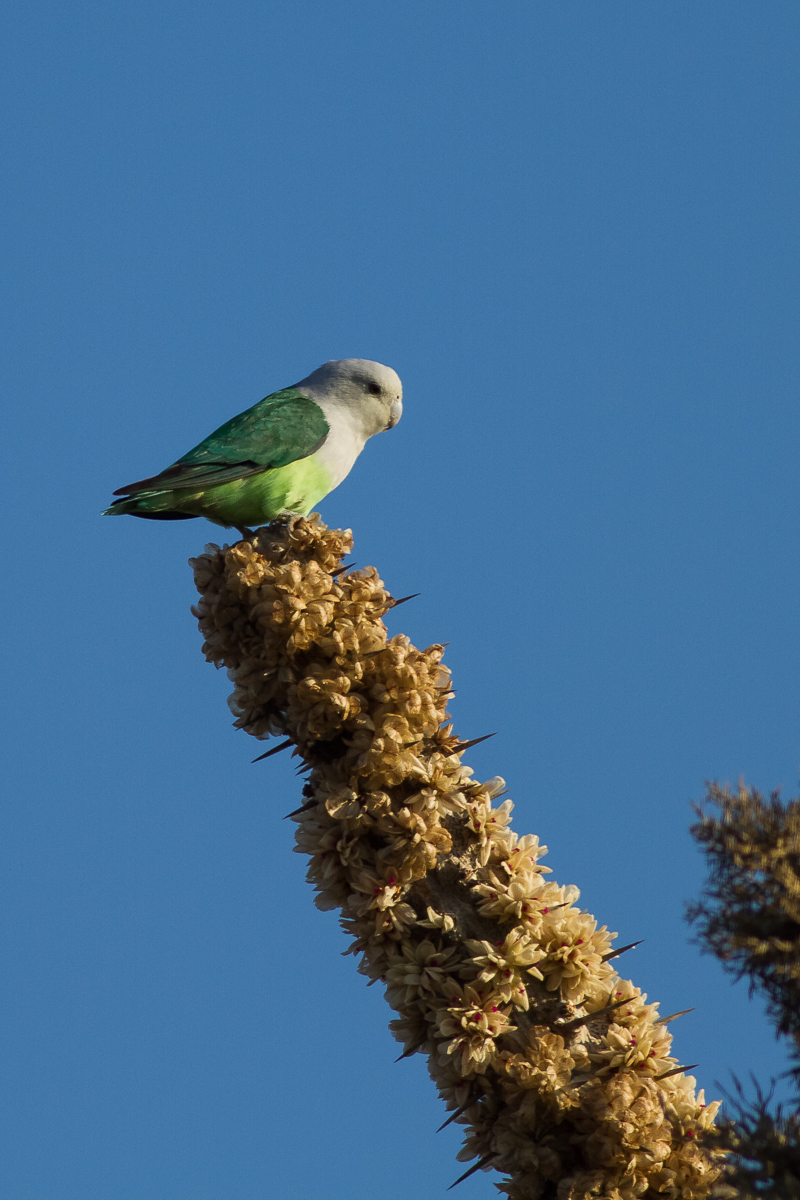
(572, 229)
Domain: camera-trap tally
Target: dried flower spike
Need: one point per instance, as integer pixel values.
(558, 1070)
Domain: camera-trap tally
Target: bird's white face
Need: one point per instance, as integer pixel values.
(371, 392)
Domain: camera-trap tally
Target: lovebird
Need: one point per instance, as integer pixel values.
(279, 457)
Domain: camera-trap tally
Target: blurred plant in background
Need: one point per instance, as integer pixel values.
(749, 917)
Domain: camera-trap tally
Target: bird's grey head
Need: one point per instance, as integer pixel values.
(370, 392)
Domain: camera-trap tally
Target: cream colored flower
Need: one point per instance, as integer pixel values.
(394, 922)
(342, 802)
(521, 896)
(418, 970)
(471, 1026)
(374, 891)
(637, 1045)
(574, 954)
(524, 854)
(503, 967)
(545, 1065)
(437, 920)
(487, 823)
(413, 841)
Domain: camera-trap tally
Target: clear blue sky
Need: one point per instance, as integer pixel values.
(572, 229)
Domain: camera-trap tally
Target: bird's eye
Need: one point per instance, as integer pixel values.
(374, 388)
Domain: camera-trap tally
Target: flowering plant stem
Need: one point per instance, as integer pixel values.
(558, 1069)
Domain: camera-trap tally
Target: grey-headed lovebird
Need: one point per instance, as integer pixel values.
(278, 458)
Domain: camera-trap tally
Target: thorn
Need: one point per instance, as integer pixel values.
(462, 746)
(403, 599)
(455, 1115)
(274, 750)
(308, 767)
(599, 1012)
(482, 1162)
(411, 1050)
(303, 808)
(622, 949)
(673, 1016)
(341, 570)
(676, 1071)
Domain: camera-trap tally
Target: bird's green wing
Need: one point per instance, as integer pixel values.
(273, 433)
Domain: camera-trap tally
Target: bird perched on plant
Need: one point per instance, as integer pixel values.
(280, 457)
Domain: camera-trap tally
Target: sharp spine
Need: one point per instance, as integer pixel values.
(482, 1162)
(462, 746)
(275, 750)
(673, 1016)
(455, 1115)
(676, 1071)
(411, 1050)
(622, 949)
(303, 808)
(576, 1022)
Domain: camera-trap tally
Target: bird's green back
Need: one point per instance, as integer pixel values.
(273, 433)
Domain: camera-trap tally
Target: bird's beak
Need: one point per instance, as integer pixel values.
(395, 413)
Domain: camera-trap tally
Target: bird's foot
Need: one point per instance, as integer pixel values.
(247, 535)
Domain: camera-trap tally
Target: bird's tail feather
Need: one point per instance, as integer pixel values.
(134, 507)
